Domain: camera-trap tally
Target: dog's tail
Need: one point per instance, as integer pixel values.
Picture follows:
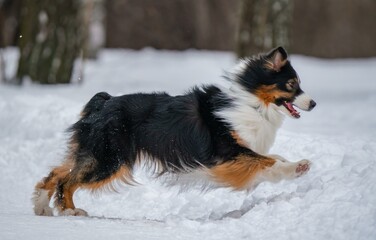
(95, 104)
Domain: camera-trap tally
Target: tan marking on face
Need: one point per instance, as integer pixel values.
(241, 171)
(269, 93)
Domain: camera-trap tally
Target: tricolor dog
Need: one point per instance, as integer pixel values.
(220, 135)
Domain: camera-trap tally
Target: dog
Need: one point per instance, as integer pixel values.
(221, 134)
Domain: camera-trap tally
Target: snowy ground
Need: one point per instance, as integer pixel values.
(336, 200)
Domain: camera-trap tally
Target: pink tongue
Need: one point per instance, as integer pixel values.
(292, 110)
(290, 107)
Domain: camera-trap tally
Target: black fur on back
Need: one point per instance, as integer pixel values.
(181, 132)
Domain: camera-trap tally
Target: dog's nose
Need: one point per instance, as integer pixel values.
(312, 104)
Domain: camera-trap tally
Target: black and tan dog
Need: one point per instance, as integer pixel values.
(221, 135)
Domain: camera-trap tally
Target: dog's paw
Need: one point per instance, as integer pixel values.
(41, 203)
(74, 212)
(302, 168)
(45, 211)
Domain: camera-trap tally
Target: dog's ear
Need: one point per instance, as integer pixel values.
(276, 59)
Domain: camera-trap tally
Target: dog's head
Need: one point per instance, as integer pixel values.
(274, 81)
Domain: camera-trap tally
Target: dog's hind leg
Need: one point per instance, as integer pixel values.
(65, 189)
(46, 188)
(87, 173)
(63, 181)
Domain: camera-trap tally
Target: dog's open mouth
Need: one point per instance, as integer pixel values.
(291, 109)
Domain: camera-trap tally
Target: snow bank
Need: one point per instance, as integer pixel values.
(336, 200)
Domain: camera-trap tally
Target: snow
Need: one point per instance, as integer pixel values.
(335, 200)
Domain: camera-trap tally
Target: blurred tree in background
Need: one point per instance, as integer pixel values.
(334, 29)
(51, 35)
(166, 24)
(51, 38)
(320, 28)
(9, 13)
(263, 24)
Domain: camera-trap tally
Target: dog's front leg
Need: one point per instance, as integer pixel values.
(284, 169)
(248, 169)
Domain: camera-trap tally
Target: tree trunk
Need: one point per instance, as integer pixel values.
(2, 68)
(263, 24)
(50, 40)
(9, 15)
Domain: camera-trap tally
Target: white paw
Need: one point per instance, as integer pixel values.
(302, 167)
(74, 212)
(41, 201)
(46, 211)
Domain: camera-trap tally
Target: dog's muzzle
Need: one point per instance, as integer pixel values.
(304, 102)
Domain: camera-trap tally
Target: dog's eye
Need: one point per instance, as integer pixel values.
(292, 84)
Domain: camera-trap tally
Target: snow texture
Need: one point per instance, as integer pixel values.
(335, 200)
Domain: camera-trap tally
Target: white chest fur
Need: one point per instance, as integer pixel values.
(255, 123)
